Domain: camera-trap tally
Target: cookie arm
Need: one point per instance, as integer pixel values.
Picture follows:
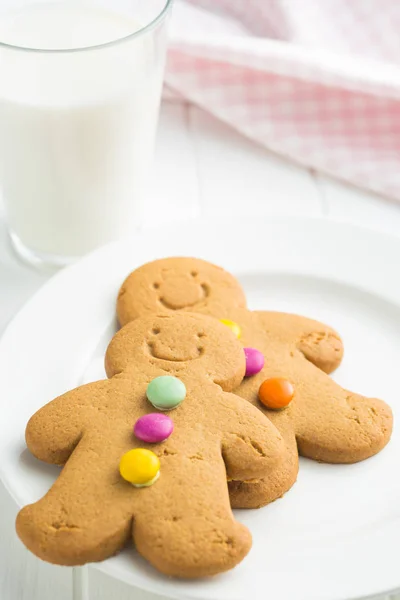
(334, 425)
(252, 446)
(319, 343)
(55, 430)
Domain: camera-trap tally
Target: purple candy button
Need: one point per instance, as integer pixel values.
(254, 361)
(153, 428)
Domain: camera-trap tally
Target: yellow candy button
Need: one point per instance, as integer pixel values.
(233, 326)
(140, 467)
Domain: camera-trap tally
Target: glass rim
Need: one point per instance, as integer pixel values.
(149, 27)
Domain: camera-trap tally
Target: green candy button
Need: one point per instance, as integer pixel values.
(166, 392)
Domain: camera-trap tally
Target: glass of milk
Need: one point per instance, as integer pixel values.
(80, 87)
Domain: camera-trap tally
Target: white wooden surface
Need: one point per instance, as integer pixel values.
(201, 167)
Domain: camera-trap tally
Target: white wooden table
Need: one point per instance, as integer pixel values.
(202, 167)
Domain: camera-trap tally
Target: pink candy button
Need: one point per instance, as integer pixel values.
(254, 361)
(153, 428)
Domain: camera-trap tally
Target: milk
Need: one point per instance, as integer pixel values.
(76, 129)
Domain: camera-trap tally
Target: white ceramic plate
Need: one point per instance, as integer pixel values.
(335, 535)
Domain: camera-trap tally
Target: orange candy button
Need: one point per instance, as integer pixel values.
(276, 393)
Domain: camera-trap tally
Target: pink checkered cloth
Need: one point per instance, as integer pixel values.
(316, 81)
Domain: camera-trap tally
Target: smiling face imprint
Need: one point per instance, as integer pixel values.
(161, 345)
(179, 291)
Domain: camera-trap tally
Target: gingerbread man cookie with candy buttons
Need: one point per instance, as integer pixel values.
(146, 453)
(288, 361)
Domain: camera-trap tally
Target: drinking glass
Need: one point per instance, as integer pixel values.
(80, 88)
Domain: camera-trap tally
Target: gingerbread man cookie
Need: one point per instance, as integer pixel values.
(147, 452)
(288, 357)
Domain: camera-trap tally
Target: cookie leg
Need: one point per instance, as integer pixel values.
(188, 530)
(319, 343)
(85, 517)
(334, 425)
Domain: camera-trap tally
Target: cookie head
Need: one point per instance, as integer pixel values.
(178, 342)
(172, 284)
